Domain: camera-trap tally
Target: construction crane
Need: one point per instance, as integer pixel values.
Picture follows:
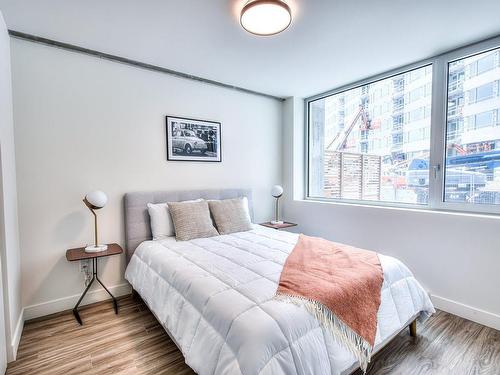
(340, 139)
(460, 150)
(338, 142)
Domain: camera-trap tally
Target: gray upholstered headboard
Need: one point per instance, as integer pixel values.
(137, 227)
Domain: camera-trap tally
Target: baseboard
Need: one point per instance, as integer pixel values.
(468, 312)
(67, 303)
(16, 338)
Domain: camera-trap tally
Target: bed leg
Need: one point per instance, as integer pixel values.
(135, 295)
(413, 328)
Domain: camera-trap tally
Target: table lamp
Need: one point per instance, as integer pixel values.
(277, 192)
(94, 201)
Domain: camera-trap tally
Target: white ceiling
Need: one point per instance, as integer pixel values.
(330, 42)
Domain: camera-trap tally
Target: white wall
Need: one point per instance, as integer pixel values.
(9, 238)
(3, 329)
(455, 256)
(83, 123)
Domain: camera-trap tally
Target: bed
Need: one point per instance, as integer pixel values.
(214, 295)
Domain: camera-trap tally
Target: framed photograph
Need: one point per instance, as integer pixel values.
(193, 140)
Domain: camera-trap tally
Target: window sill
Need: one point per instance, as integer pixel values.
(401, 207)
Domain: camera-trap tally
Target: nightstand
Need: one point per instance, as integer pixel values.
(285, 225)
(78, 254)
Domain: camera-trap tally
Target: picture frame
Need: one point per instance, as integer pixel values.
(191, 139)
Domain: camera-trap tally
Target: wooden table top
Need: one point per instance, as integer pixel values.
(80, 254)
(286, 224)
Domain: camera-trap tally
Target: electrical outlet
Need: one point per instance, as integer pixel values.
(85, 269)
(84, 265)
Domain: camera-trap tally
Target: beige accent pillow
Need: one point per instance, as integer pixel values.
(160, 220)
(191, 220)
(231, 215)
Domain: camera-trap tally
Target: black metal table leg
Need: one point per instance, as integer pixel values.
(75, 309)
(115, 304)
(94, 277)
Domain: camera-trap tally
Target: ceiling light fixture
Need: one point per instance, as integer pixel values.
(265, 17)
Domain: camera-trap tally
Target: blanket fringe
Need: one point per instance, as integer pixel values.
(356, 344)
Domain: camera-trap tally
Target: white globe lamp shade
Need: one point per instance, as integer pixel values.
(265, 17)
(97, 199)
(277, 191)
(94, 201)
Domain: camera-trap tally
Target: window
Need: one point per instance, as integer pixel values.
(483, 92)
(481, 120)
(351, 157)
(483, 64)
(372, 142)
(472, 172)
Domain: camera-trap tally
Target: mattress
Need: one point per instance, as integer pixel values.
(214, 297)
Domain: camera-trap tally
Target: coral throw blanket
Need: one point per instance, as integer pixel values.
(340, 285)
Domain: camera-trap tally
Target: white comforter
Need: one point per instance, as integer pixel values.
(214, 296)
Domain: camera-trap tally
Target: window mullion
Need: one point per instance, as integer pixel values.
(438, 131)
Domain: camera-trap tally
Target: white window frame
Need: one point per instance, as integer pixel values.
(438, 130)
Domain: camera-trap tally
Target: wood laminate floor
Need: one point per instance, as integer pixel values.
(133, 342)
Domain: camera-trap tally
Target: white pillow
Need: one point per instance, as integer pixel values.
(161, 221)
(245, 206)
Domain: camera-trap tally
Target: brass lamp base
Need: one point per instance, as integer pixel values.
(95, 249)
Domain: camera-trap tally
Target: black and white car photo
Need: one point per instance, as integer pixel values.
(193, 140)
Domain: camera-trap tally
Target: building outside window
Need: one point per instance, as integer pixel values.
(354, 157)
(472, 172)
(373, 142)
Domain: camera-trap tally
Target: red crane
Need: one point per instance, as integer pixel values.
(458, 148)
(338, 142)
